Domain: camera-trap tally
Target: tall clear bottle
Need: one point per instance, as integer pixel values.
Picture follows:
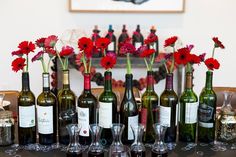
(86, 110)
(107, 110)
(207, 111)
(188, 111)
(128, 110)
(66, 108)
(26, 113)
(149, 114)
(46, 114)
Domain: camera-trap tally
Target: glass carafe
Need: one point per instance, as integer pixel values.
(159, 148)
(137, 148)
(117, 149)
(95, 149)
(227, 120)
(74, 149)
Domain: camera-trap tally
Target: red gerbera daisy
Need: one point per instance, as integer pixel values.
(147, 53)
(151, 39)
(202, 57)
(50, 41)
(17, 52)
(51, 52)
(127, 48)
(38, 56)
(194, 59)
(18, 64)
(218, 43)
(182, 56)
(102, 43)
(170, 41)
(66, 51)
(212, 63)
(40, 42)
(26, 47)
(86, 45)
(108, 62)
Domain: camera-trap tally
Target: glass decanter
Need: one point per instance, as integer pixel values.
(74, 149)
(117, 149)
(159, 148)
(95, 149)
(227, 120)
(138, 148)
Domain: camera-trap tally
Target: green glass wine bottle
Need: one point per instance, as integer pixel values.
(168, 109)
(107, 110)
(128, 111)
(207, 111)
(66, 108)
(46, 114)
(87, 105)
(26, 113)
(149, 114)
(188, 112)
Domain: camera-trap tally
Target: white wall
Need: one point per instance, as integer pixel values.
(202, 19)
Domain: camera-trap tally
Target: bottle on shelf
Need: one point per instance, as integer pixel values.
(26, 113)
(86, 110)
(128, 110)
(112, 46)
(96, 53)
(46, 114)
(122, 38)
(155, 45)
(137, 38)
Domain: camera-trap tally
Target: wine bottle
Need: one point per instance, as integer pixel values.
(188, 112)
(46, 114)
(169, 109)
(26, 113)
(66, 109)
(95, 36)
(137, 38)
(149, 114)
(128, 111)
(207, 111)
(122, 38)
(107, 110)
(112, 46)
(155, 45)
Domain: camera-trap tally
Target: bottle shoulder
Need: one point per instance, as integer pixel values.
(26, 96)
(108, 96)
(168, 93)
(188, 96)
(150, 95)
(46, 98)
(207, 93)
(65, 92)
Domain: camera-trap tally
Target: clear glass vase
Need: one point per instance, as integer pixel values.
(159, 148)
(117, 149)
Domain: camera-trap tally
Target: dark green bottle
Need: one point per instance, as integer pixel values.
(128, 111)
(188, 112)
(46, 114)
(107, 110)
(149, 114)
(207, 111)
(26, 113)
(168, 109)
(66, 108)
(87, 105)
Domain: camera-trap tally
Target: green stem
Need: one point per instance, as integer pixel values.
(166, 68)
(90, 62)
(63, 66)
(48, 64)
(146, 64)
(66, 63)
(85, 65)
(213, 52)
(172, 64)
(128, 64)
(189, 68)
(43, 64)
(27, 63)
(152, 60)
(104, 52)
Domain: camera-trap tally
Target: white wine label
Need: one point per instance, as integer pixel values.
(105, 114)
(228, 120)
(165, 115)
(111, 46)
(131, 121)
(27, 116)
(45, 119)
(137, 44)
(206, 125)
(177, 114)
(191, 112)
(83, 120)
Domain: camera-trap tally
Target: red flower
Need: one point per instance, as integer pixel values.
(18, 64)
(102, 43)
(86, 45)
(38, 56)
(26, 47)
(218, 43)
(182, 56)
(147, 53)
(51, 52)
(194, 59)
(170, 41)
(66, 51)
(127, 48)
(50, 41)
(40, 42)
(151, 39)
(212, 63)
(108, 62)
(17, 52)
(202, 57)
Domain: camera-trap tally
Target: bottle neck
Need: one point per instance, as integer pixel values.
(66, 79)
(107, 84)
(150, 81)
(169, 81)
(189, 81)
(87, 83)
(25, 81)
(129, 86)
(209, 77)
(46, 82)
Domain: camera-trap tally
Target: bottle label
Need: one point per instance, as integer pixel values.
(45, 119)
(83, 120)
(227, 119)
(132, 121)
(144, 117)
(111, 46)
(165, 115)
(205, 113)
(105, 114)
(206, 125)
(137, 44)
(45, 80)
(191, 112)
(27, 116)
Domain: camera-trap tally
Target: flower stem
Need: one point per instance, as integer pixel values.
(43, 64)
(49, 64)
(84, 62)
(172, 65)
(128, 64)
(63, 66)
(27, 63)
(213, 52)
(146, 64)
(152, 61)
(166, 68)
(90, 62)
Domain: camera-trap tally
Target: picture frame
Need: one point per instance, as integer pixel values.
(127, 6)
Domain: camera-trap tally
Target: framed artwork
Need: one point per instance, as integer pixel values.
(132, 6)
